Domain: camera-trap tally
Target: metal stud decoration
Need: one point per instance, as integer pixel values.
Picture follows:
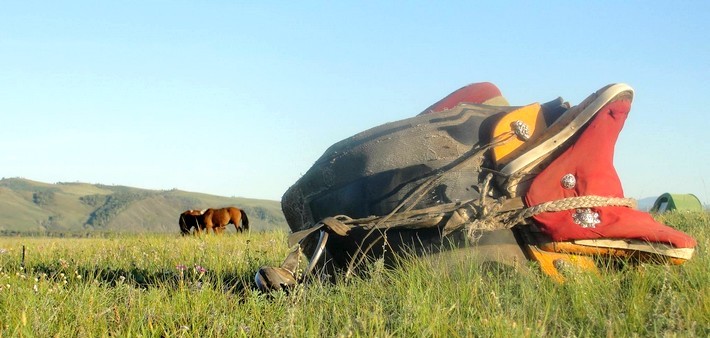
(569, 181)
(586, 218)
(521, 130)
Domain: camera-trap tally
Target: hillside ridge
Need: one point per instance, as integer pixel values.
(33, 207)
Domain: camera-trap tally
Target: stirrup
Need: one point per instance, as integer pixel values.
(284, 277)
(274, 279)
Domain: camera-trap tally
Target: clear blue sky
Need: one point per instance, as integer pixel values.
(240, 98)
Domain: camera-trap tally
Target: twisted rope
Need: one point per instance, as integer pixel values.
(590, 201)
(506, 220)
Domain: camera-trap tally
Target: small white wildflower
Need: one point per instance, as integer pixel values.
(35, 288)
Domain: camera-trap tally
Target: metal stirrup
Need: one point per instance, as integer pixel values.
(316, 255)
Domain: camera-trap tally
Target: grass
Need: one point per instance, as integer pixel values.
(165, 285)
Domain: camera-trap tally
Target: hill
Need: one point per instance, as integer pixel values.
(645, 204)
(31, 207)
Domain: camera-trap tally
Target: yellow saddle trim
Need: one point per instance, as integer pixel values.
(530, 116)
(620, 248)
(636, 245)
(554, 264)
(496, 101)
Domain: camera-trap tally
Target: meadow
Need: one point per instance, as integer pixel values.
(164, 285)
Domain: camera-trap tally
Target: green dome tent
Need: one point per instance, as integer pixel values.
(676, 202)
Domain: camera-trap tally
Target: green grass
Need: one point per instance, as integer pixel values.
(166, 285)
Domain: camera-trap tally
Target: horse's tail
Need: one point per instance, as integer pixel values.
(184, 228)
(245, 219)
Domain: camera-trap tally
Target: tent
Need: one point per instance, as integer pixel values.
(676, 202)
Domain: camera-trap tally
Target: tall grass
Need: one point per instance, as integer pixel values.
(166, 285)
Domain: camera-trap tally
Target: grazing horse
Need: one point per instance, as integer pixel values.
(189, 219)
(217, 219)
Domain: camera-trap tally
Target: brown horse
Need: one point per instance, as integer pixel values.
(189, 219)
(217, 219)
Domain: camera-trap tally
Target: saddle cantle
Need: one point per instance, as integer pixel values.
(508, 183)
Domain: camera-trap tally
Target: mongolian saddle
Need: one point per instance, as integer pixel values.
(507, 183)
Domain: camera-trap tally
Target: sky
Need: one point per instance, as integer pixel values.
(237, 98)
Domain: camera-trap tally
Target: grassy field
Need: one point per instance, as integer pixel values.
(166, 285)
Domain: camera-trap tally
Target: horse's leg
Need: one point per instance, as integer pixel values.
(197, 231)
(236, 220)
(208, 224)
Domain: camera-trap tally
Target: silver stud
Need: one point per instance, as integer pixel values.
(568, 181)
(586, 218)
(521, 130)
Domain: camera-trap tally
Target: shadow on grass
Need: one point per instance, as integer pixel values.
(193, 277)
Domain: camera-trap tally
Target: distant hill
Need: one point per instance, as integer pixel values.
(645, 204)
(41, 208)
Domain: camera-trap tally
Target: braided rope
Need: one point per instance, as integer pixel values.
(509, 219)
(590, 201)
